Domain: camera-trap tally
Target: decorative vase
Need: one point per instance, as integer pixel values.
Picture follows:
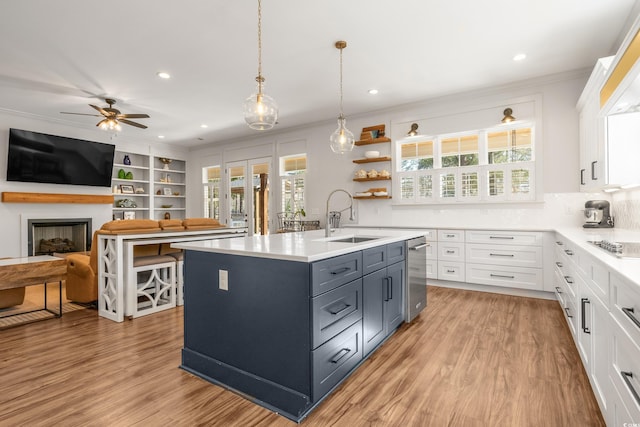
(126, 160)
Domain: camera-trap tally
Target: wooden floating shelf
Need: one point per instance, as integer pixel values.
(12, 197)
(375, 159)
(373, 141)
(372, 179)
(371, 197)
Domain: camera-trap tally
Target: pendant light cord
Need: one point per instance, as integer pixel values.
(260, 79)
(341, 113)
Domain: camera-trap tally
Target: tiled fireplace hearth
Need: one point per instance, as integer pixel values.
(46, 236)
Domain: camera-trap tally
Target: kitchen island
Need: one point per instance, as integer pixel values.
(284, 319)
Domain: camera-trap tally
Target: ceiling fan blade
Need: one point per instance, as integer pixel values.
(101, 122)
(81, 114)
(129, 122)
(133, 116)
(104, 113)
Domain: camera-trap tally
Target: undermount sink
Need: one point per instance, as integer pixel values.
(354, 239)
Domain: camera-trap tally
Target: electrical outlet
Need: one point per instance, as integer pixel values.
(223, 280)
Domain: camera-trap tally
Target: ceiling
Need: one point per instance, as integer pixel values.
(62, 55)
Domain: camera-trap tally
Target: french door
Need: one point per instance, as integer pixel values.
(248, 194)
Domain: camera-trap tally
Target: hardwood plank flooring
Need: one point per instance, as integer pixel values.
(470, 359)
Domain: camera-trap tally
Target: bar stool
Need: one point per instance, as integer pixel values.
(155, 285)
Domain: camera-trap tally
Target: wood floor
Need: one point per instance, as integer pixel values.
(470, 359)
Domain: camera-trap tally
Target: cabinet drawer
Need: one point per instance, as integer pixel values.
(333, 272)
(510, 277)
(625, 306)
(504, 237)
(432, 269)
(374, 259)
(624, 369)
(448, 251)
(395, 252)
(451, 270)
(451, 235)
(522, 256)
(571, 315)
(335, 358)
(596, 276)
(333, 311)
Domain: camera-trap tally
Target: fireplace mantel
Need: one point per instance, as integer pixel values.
(14, 197)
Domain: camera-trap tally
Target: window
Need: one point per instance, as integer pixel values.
(293, 171)
(460, 151)
(495, 164)
(211, 191)
(416, 156)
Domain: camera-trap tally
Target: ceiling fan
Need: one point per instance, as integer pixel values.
(111, 117)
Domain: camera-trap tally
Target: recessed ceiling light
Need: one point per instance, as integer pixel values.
(519, 57)
(161, 136)
(204, 126)
(373, 91)
(163, 75)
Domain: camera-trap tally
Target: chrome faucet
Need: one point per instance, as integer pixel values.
(327, 230)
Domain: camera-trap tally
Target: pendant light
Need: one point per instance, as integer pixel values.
(341, 139)
(260, 110)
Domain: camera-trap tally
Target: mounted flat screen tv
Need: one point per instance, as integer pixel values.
(38, 157)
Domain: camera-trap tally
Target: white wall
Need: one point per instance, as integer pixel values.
(11, 225)
(557, 126)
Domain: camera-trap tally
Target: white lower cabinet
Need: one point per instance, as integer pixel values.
(601, 309)
(503, 275)
(451, 270)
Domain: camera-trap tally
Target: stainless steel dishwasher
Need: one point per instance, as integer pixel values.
(416, 277)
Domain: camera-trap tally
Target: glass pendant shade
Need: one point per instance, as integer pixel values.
(260, 111)
(341, 140)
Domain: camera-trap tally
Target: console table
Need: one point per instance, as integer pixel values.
(115, 261)
(35, 270)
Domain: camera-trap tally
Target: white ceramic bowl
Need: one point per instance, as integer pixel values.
(371, 154)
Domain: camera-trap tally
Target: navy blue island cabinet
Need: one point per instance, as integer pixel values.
(284, 333)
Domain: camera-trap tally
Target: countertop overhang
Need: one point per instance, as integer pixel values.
(308, 246)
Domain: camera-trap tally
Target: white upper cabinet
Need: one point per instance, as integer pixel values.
(592, 129)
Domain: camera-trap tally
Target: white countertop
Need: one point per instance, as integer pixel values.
(305, 246)
(626, 267)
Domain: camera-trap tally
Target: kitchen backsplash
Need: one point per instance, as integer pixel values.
(626, 209)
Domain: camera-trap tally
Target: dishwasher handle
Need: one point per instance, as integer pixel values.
(418, 247)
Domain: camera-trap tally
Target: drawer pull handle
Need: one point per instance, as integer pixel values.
(559, 264)
(449, 251)
(502, 275)
(341, 354)
(568, 279)
(559, 243)
(566, 309)
(450, 235)
(593, 170)
(558, 290)
(507, 255)
(502, 237)
(345, 306)
(451, 271)
(629, 312)
(568, 251)
(627, 381)
(584, 302)
(341, 270)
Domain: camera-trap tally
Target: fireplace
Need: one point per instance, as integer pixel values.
(48, 236)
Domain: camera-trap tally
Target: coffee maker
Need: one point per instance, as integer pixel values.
(596, 213)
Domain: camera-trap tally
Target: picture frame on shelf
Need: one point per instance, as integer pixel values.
(167, 191)
(127, 189)
(128, 215)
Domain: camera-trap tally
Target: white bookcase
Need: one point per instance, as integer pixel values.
(158, 189)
